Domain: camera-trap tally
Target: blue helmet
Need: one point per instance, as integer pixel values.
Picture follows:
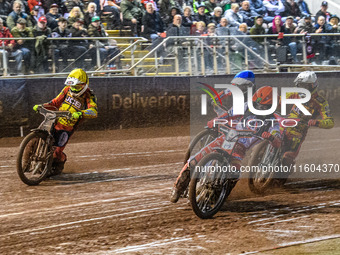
(244, 78)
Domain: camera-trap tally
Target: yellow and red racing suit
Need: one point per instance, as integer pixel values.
(65, 101)
(294, 136)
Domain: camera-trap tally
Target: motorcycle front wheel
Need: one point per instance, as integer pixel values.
(202, 139)
(208, 190)
(34, 159)
(260, 182)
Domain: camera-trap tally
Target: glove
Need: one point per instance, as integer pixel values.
(76, 115)
(266, 135)
(35, 108)
(313, 123)
(210, 124)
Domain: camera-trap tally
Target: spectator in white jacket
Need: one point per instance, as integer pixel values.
(233, 16)
(274, 8)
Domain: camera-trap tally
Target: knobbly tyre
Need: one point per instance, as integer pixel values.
(265, 154)
(35, 158)
(208, 190)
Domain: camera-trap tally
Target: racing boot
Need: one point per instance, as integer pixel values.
(58, 165)
(181, 184)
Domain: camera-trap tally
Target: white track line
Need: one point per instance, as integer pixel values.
(291, 211)
(311, 240)
(277, 230)
(127, 168)
(111, 180)
(136, 248)
(131, 153)
(286, 245)
(77, 222)
(55, 209)
(279, 221)
(120, 199)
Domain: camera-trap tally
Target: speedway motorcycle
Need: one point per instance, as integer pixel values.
(35, 157)
(213, 177)
(202, 139)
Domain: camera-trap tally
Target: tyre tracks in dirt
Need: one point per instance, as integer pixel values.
(114, 200)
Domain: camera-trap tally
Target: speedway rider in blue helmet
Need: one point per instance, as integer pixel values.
(242, 80)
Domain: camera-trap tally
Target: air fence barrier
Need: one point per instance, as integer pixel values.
(125, 102)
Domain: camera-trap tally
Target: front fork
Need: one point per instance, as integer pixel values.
(42, 153)
(183, 178)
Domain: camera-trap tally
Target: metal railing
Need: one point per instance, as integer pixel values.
(134, 41)
(189, 50)
(193, 49)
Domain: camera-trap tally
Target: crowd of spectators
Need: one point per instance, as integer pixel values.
(44, 19)
(153, 19)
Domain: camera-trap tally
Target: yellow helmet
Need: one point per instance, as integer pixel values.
(78, 82)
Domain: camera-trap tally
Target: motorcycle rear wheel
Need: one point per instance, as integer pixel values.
(34, 159)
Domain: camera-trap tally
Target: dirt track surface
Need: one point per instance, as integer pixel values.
(113, 198)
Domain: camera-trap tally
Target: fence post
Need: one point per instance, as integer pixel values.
(176, 59)
(266, 56)
(135, 70)
(98, 53)
(196, 59)
(189, 59)
(215, 59)
(227, 57)
(156, 62)
(246, 59)
(4, 59)
(133, 55)
(53, 59)
(202, 58)
(304, 50)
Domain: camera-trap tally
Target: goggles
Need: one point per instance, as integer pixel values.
(77, 87)
(259, 106)
(305, 85)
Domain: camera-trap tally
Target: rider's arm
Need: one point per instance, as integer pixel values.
(273, 135)
(325, 113)
(91, 103)
(224, 93)
(58, 100)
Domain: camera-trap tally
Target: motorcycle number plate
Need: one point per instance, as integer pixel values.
(228, 145)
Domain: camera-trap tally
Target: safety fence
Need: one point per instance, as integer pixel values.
(181, 55)
(125, 102)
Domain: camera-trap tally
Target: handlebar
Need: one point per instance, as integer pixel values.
(54, 114)
(243, 133)
(250, 136)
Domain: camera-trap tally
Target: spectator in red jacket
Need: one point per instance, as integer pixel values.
(9, 47)
(32, 3)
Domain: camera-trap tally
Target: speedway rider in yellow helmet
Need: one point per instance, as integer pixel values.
(77, 98)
